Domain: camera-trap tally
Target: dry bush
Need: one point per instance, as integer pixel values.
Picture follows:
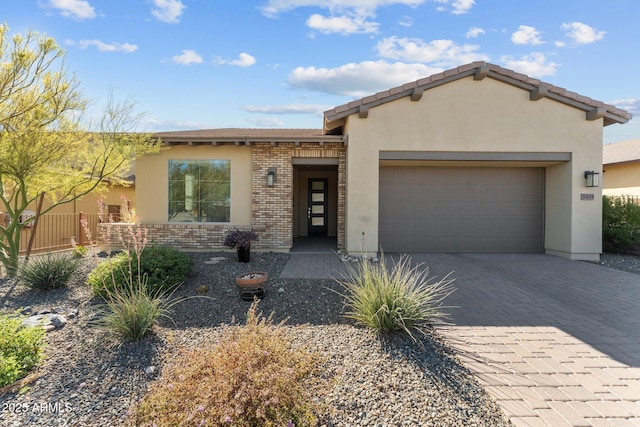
(252, 377)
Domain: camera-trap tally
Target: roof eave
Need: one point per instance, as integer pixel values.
(248, 141)
(479, 70)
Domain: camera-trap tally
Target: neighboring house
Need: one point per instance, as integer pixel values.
(59, 226)
(474, 159)
(621, 162)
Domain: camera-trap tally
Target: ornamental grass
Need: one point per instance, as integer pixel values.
(402, 298)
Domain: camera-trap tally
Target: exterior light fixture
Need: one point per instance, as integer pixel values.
(592, 178)
(271, 177)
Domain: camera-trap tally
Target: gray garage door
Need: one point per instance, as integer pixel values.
(461, 209)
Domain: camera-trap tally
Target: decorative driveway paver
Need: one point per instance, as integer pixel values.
(555, 342)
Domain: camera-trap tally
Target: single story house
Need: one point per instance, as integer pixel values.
(621, 162)
(475, 159)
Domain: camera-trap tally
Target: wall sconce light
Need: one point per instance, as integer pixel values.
(271, 177)
(592, 178)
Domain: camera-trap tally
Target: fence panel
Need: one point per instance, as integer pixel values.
(631, 198)
(55, 232)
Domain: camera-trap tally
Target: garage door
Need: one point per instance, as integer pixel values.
(461, 209)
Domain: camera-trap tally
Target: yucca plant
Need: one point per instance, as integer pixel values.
(49, 271)
(400, 299)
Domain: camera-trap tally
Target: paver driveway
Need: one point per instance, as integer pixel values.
(555, 342)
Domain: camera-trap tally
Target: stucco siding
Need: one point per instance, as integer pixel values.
(152, 180)
(623, 179)
(480, 116)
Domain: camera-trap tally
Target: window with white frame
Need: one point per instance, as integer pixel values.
(199, 190)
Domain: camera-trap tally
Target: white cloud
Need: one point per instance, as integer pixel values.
(244, 60)
(582, 33)
(345, 16)
(632, 105)
(341, 24)
(560, 43)
(358, 79)
(474, 32)
(288, 109)
(275, 7)
(267, 122)
(459, 6)
(102, 46)
(168, 11)
(442, 53)
(406, 21)
(462, 6)
(526, 35)
(77, 9)
(534, 64)
(187, 57)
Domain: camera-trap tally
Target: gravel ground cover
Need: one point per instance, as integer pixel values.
(91, 378)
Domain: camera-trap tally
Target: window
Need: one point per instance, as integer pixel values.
(199, 190)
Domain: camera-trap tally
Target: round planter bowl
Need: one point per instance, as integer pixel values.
(252, 285)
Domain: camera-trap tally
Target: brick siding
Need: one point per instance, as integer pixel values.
(272, 207)
(272, 210)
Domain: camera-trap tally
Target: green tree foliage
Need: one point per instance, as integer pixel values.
(44, 149)
(620, 223)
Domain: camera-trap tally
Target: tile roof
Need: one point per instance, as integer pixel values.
(621, 152)
(244, 135)
(594, 109)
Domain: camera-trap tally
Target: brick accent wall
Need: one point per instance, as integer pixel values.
(272, 211)
(184, 236)
(272, 207)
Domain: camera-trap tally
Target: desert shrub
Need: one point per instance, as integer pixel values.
(132, 312)
(110, 274)
(252, 377)
(161, 268)
(50, 271)
(620, 223)
(164, 266)
(80, 251)
(400, 299)
(20, 348)
(136, 284)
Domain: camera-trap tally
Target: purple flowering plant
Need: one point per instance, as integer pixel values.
(240, 238)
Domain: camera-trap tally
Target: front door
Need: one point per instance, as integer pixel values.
(317, 207)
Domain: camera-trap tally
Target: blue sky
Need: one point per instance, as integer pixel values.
(196, 64)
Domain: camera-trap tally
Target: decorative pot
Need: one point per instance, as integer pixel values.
(244, 253)
(252, 284)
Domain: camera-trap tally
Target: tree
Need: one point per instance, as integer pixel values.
(44, 148)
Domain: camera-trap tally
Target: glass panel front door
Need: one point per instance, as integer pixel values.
(317, 208)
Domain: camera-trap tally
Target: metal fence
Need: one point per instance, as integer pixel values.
(56, 231)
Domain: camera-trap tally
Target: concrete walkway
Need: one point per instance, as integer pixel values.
(555, 342)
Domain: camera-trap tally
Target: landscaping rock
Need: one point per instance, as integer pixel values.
(49, 321)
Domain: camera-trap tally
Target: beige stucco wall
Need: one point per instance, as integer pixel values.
(622, 180)
(481, 116)
(153, 177)
(111, 195)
